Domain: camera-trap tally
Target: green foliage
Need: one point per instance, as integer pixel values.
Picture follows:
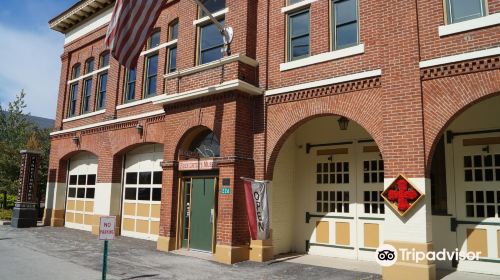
(11, 200)
(17, 132)
(5, 214)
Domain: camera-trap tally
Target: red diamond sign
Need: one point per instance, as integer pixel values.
(402, 195)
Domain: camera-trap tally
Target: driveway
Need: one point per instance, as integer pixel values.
(61, 253)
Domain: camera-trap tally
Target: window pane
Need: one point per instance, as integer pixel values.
(300, 47)
(130, 84)
(130, 193)
(465, 9)
(76, 71)
(157, 194)
(89, 67)
(145, 178)
(91, 179)
(210, 55)
(299, 24)
(152, 71)
(346, 11)
(71, 192)
(131, 178)
(144, 194)
(154, 40)
(90, 193)
(213, 5)
(172, 60)
(157, 178)
(104, 60)
(174, 31)
(290, 2)
(82, 180)
(102, 90)
(80, 193)
(73, 179)
(347, 35)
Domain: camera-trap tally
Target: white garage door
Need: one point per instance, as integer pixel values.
(142, 192)
(81, 192)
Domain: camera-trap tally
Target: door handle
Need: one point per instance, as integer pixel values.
(212, 216)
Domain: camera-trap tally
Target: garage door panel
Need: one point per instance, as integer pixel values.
(79, 206)
(129, 209)
(70, 217)
(89, 206)
(78, 218)
(142, 226)
(155, 228)
(143, 210)
(71, 205)
(155, 211)
(89, 219)
(128, 224)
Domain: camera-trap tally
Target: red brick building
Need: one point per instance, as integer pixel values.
(330, 100)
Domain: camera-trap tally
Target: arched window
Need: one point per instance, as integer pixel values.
(154, 39)
(75, 71)
(89, 65)
(104, 60)
(173, 30)
(205, 145)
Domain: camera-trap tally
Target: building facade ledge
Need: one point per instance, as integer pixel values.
(86, 115)
(468, 25)
(459, 57)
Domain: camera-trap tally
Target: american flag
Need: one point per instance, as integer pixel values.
(131, 24)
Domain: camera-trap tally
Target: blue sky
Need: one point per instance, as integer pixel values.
(30, 53)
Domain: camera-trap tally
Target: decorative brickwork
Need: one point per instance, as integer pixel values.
(464, 67)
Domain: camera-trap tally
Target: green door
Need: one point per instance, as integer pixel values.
(202, 213)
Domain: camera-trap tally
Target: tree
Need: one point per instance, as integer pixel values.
(18, 133)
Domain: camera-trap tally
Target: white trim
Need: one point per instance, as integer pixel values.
(297, 6)
(139, 235)
(159, 47)
(459, 57)
(89, 74)
(331, 81)
(87, 115)
(124, 119)
(78, 226)
(207, 19)
(319, 58)
(94, 23)
(225, 60)
(467, 25)
(133, 103)
(197, 93)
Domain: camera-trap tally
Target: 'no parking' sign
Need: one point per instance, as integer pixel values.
(107, 228)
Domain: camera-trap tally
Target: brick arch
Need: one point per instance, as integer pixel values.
(445, 99)
(63, 166)
(283, 119)
(188, 133)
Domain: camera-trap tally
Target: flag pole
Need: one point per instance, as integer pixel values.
(227, 32)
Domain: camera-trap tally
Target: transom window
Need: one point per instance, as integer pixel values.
(332, 201)
(75, 72)
(211, 43)
(73, 96)
(154, 40)
(462, 10)
(130, 85)
(212, 6)
(143, 186)
(89, 66)
(345, 23)
(373, 171)
(373, 202)
(87, 92)
(104, 60)
(482, 204)
(332, 173)
(298, 35)
(479, 168)
(82, 186)
(151, 75)
(173, 31)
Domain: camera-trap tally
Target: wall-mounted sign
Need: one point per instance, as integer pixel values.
(225, 190)
(402, 195)
(194, 165)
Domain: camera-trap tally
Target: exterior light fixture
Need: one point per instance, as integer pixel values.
(343, 123)
(139, 128)
(76, 140)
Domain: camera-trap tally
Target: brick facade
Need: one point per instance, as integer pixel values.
(405, 109)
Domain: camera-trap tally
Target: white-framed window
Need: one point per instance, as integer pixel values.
(212, 6)
(298, 35)
(345, 24)
(210, 43)
(462, 10)
(101, 90)
(73, 96)
(130, 80)
(87, 92)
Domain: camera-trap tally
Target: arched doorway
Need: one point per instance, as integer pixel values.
(80, 197)
(142, 189)
(197, 211)
(325, 196)
(465, 172)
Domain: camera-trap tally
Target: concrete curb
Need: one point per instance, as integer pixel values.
(4, 223)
